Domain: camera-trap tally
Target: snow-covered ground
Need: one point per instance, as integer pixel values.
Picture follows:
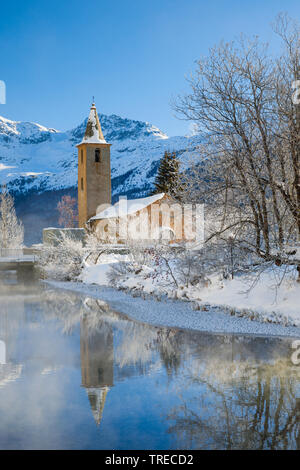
(274, 303)
(98, 274)
(268, 297)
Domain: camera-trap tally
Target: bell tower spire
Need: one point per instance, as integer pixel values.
(94, 178)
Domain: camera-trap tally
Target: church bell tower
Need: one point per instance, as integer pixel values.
(94, 179)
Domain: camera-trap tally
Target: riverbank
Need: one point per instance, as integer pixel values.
(177, 313)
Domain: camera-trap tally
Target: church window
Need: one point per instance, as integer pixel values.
(81, 157)
(81, 184)
(97, 155)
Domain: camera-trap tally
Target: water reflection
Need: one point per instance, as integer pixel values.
(243, 405)
(10, 369)
(144, 386)
(97, 363)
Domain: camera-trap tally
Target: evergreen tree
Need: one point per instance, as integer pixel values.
(168, 177)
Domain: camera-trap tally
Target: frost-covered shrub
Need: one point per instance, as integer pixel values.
(95, 247)
(62, 261)
(167, 267)
(119, 271)
(190, 268)
(11, 229)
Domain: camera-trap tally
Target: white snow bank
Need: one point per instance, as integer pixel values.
(96, 274)
(265, 298)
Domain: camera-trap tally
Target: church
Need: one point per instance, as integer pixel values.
(94, 176)
(154, 217)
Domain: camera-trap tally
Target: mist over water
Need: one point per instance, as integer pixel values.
(75, 374)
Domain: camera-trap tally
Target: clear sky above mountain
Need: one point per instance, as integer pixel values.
(132, 55)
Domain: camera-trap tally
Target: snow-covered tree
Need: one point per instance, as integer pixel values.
(11, 229)
(168, 177)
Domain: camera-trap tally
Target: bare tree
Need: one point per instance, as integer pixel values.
(242, 101)
(68, 214)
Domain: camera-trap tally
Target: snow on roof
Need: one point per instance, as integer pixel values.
(128, 207)
(93, 133)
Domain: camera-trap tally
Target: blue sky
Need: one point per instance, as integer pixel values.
(133, 55)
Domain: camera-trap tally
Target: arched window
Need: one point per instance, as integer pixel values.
(97, 155)
(81, 184)
(81, 156)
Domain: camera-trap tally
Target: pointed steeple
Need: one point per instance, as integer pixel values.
(93, 133)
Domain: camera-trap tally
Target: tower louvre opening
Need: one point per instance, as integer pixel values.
(97, 155)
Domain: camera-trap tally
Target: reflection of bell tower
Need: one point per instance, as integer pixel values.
(94, 180)
(97, 362)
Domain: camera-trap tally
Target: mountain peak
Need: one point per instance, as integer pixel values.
(23, 131)
(116, 128)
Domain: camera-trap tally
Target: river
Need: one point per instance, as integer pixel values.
(75, 374)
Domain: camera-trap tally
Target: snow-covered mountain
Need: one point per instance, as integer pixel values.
(39, 163)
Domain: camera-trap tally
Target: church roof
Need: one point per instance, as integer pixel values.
(93, 133)
(128, 207)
